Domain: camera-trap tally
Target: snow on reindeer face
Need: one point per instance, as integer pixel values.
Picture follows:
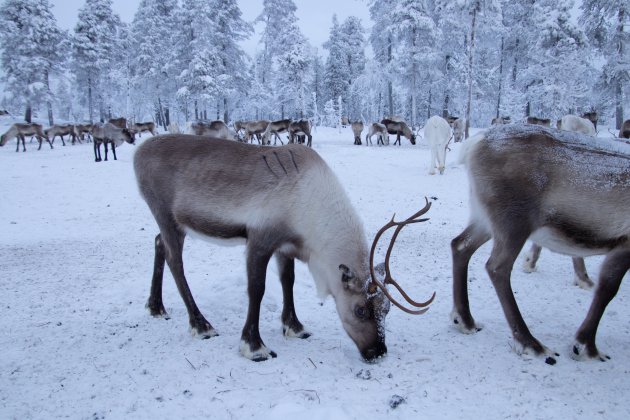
(362, 314)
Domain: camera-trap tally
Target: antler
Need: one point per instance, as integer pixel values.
(375, 283)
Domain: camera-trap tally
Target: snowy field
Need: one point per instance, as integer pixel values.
(76, 247)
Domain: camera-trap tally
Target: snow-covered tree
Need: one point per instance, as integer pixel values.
(32, 49)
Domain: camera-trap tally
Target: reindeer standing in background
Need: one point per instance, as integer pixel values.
(20, 130)
(398, 128)
(357, 129)
(60, 130)
(107, 133)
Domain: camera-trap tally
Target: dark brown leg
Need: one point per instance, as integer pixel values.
(114, 150)
(291, 326)
(614, 267)
(155, 304)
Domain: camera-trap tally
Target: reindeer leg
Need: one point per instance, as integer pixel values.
(291, 326)
(49, 142)
(97, 151)
(614, 267)
(106, 146)
(173, 242)
(252, 346)
(508, 242)
(462, 249)
(581, 275)
(114, 150)
(155, 303)
(63, 143)
(531, 257)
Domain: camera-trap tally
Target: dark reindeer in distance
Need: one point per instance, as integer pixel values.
(277, 201)
(501, 120)
(20, 130)
(108, 133)
(357, 129)
(398, 128)
(120, 122)
(139, 128)
(298, 130)
(545, 122)
(592, 117)
(624, 131)
(275, 127)
(381, 132)
(83, 131)
(558, 189)
(60, 130)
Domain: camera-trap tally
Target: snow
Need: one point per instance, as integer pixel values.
(76, 242)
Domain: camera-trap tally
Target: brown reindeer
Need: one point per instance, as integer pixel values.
(138, 128)
(298, 130)
(20, 130)
(398, 128)
(501, 120)
(624, 131)
(83, 131)
(592, 117)
(215, 128)
(380, 130)
(562, 191)
(457, 125)
(545, 122)
(60, 130)
(275, 127)
(118, 122)
(278, 202)
(357, 129)
(253, 129)
(108, 133)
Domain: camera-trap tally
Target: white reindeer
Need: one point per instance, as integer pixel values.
(285, 202)
(380, 131)
(438, 134)
(563, 192)
(577, 124)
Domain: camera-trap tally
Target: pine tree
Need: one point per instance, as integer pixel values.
(31, 46)
(336, 69)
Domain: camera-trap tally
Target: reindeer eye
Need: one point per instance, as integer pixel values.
(361, 312)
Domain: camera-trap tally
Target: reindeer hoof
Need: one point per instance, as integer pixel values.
(157, 311)
(259, 355)
(586, 284)
(460, 325)
(290, 332)
(537, 350)
(203, 330)
(581, 352)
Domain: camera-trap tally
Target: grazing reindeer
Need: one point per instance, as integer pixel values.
(275, 127)
(624, 131)
(298, 130)
(81, 130)
(501, 120)
(254, 128)
(20, 130)
(281, 201)
(562, 191)
(118, 122)
(437, 132)
(380, 130)
(398, 128)
(60, 130)
(457, 125)
(106, 133)
(357, 129)
(545, 122)
(146, 126)
(215, 128)
(577, 125)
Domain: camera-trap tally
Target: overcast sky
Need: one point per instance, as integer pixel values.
(315, 16)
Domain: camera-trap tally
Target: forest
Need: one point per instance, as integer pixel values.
(183, 60)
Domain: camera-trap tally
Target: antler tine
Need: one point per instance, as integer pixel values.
(388, 278)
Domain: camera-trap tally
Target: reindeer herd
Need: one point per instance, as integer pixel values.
(560, 188)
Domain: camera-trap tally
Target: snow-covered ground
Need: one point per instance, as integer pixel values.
(76, 257)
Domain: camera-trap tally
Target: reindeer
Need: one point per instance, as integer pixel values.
(545, 122)
(118, 122)
(298, 130)
(80, 130)
(215, 128)
(563, 192)
(275, 127)
(501, 120)
(398, 128)
(357, 129)
(60, 130)
(254, 128)
(20, 130)
(576, 124)
(173, 128)
(380, 130)
(283, 202)
(437, 132)
(106, 133)
(140, 127)
(457, 125)
(592, 117)
(624, 131)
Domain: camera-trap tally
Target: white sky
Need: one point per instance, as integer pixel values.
(315, 16)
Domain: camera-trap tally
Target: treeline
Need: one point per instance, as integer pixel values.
(182, 60)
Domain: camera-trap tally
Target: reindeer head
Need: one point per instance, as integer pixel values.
(130, 135)
(365, 300)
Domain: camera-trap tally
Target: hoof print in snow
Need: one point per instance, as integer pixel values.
(395, 401)
(364, 374)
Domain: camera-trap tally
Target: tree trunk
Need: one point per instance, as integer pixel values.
(90, 99)
(196, 111)
(390, 93)
(618, 81)
(28, 113)
(447, 93)
(226, 115)
(500, 80)
(48, 96)
(471, 51)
